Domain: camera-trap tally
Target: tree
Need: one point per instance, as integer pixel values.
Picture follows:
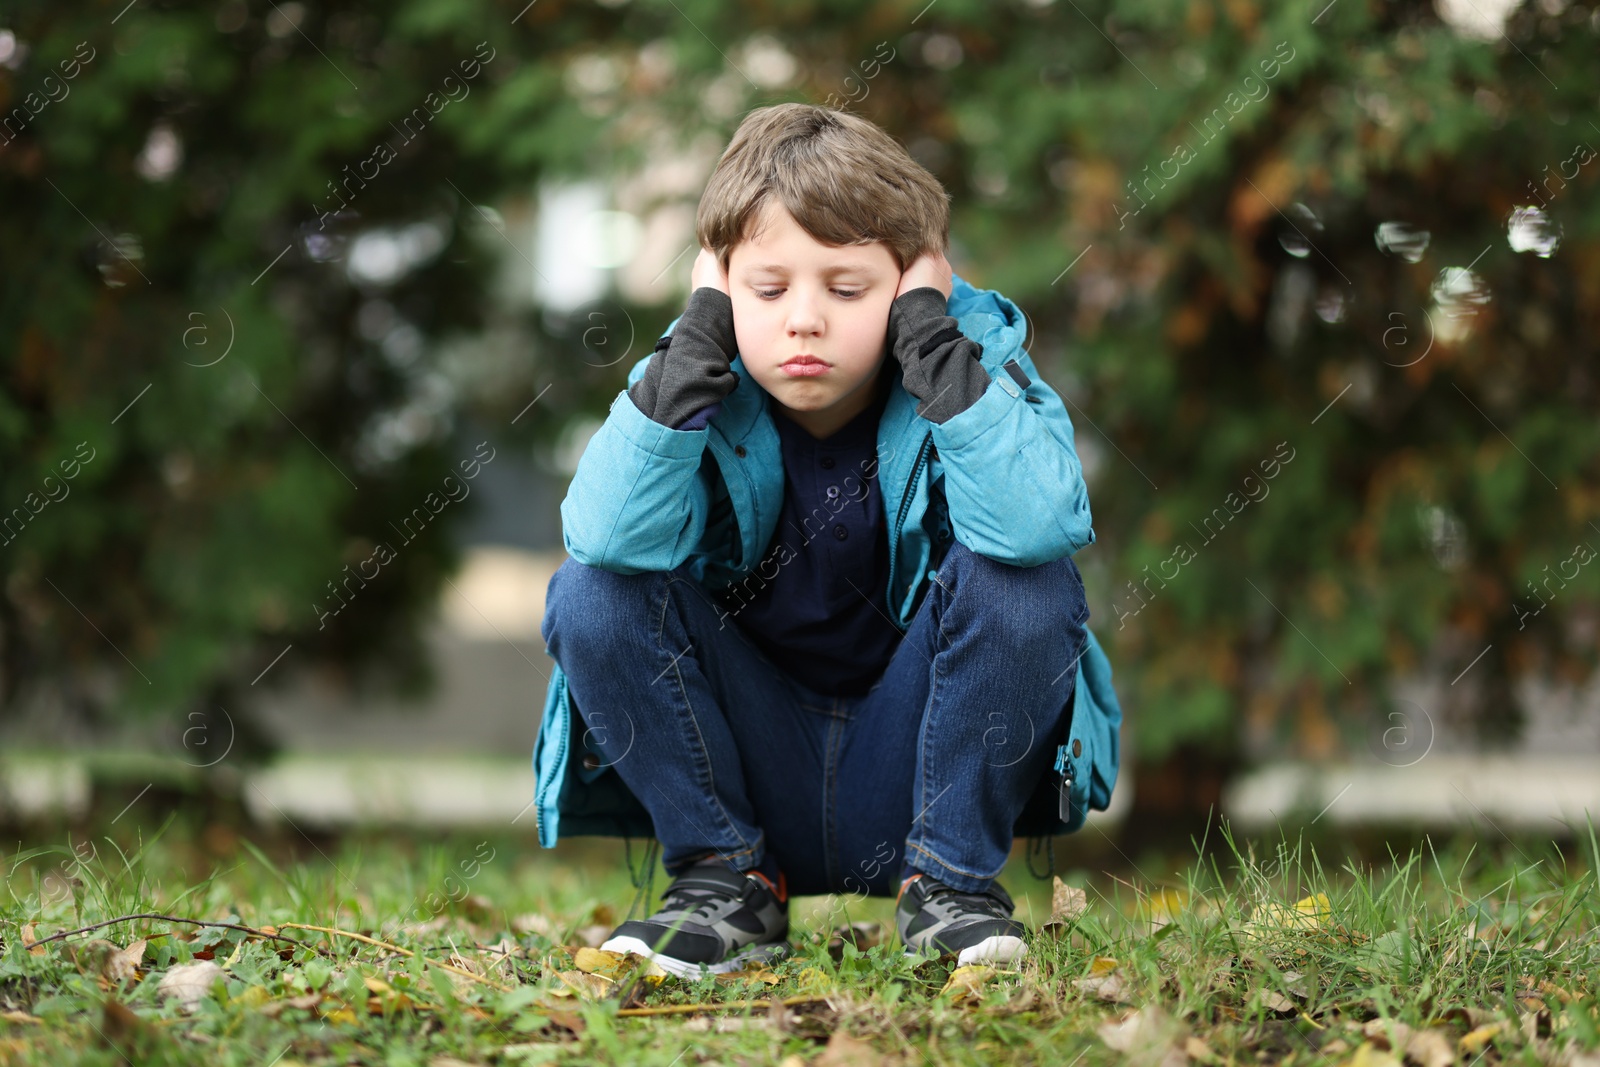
(1249, 240)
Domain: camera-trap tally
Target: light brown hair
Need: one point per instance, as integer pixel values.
(842, 177)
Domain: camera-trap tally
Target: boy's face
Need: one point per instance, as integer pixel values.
(794, 296)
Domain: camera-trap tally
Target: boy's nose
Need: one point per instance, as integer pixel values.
(804, 317)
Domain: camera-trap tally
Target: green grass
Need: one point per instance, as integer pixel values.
(1455, 954)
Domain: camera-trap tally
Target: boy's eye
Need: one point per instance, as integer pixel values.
(772, 294)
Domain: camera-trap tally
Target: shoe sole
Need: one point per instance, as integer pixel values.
(689, 969)
(999, 949)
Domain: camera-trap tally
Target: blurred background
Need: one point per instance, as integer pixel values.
(308, 310)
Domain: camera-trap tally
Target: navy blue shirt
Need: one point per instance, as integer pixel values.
(815, 604)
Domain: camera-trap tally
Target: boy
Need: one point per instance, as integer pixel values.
(819, 641)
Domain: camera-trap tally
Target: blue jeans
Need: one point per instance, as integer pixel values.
(729, 754)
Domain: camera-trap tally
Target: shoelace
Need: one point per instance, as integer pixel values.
(682, 899)
(986, 904)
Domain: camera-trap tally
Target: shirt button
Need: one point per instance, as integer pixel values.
(827, 463)
(840, 532)
(738, 450)
(833, 492)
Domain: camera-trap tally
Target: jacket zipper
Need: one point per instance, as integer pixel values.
(555, 781)
(905, 505)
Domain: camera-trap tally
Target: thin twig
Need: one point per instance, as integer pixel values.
(724, 1005)
(165, 918)
(396, 948)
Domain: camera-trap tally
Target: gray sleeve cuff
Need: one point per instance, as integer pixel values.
(690, 368)
(940, 365)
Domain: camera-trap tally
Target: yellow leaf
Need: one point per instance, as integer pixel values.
(1370, 1055)
(1165, 904)
(812, 979)
(20, 1017)
(612, 965)
(253, 997)
(966, 983)
(28, 939)
(378, 985)
(764, 975)
(1307, 914)
(1317, 907)
(341, 1015)
(1102, 965)
(1472, 1043)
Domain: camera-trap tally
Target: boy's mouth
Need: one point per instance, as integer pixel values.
(803, 366)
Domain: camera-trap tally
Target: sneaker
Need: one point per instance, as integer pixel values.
(713, 920)
(934, 918)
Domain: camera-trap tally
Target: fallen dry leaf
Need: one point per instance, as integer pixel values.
(1067, 904)
(120, 1025)
(590, 986)
(846, 1051)
(1308, 913)
(124, 963)
(1275, 1001)
(188, 983)
(1197, 1049)
(1370, 1055)
(612, 965)
(764, 975)
(1147, 1034)
(19, 1017)
(1104, 982)
(1107, 987)
(29, 939)
(273, 1008)
(1473, 1042)
(966, 983)
(1430, 1048)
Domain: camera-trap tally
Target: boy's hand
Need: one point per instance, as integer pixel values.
(707, 272)
(930, 269)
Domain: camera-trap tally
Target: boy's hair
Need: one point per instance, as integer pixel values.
(843, 179)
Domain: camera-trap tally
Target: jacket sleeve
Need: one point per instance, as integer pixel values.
(1013, 481)
(639, 499)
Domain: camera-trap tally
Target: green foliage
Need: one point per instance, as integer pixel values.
(1194, 334)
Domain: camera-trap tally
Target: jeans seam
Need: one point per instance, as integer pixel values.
(830, 794)
(929, 724)
(702, 756)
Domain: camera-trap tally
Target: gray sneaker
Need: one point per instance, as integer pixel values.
(934, 918)
(713, 920)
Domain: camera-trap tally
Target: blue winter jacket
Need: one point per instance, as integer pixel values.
(1002, 477)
